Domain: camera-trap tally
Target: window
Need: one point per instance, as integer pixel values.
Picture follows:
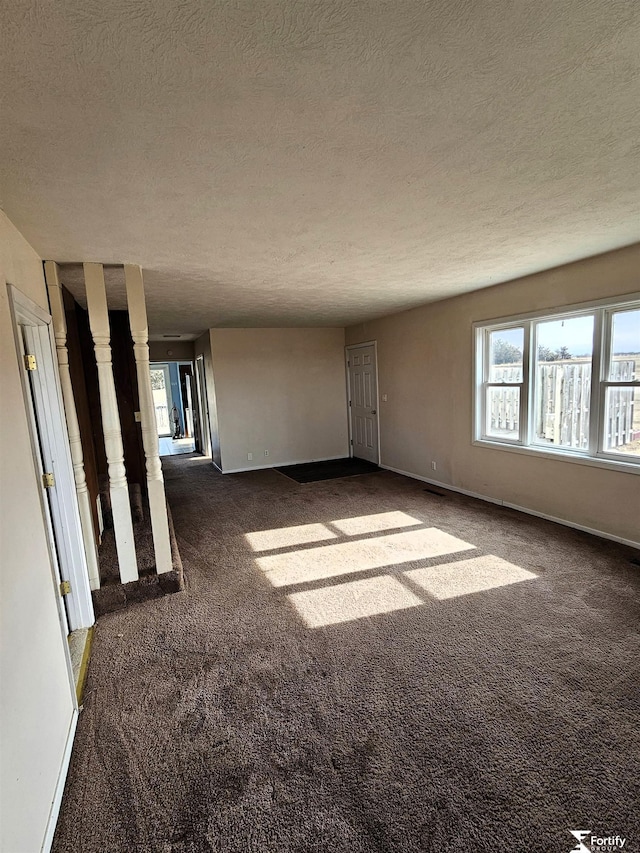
(504, 386)
(564, 383)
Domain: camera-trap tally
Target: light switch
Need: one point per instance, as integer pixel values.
(384, 398)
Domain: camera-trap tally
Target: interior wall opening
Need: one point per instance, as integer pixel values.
(175, 402)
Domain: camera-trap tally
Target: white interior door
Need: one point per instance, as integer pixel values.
(50, 443)
(363, 401)
(45, 464)
(43, 724)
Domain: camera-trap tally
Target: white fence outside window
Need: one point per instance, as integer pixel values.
(561, 415)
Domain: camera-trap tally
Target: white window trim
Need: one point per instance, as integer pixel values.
(594, 456)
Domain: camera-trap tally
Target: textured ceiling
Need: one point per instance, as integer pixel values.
(292, 163)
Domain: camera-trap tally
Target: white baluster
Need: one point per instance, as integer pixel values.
(155, 481)
(118, 487)
(73, 428)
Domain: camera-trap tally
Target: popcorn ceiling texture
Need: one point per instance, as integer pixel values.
(293, 163)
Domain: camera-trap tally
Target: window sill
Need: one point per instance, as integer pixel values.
(560, 456)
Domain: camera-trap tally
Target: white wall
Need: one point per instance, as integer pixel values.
(281, 390)
(35, 697)
(425, 368)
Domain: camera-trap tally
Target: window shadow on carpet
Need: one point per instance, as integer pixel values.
(373, 564)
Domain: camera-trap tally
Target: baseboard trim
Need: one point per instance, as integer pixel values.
(282, 464)
(600, 533)
(62, 778)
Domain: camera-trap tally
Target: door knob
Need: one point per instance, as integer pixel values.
(373, 411)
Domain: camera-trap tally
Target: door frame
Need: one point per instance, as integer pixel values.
(187, 373)
(164, 366)
(347, 350)
(62, 522)
(203, 406)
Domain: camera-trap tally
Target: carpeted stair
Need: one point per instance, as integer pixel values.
(114, 595)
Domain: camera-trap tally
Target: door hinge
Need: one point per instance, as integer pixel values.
(65, 588)
(48, 480)
(30, 362)
(349, 402)
(350, 441)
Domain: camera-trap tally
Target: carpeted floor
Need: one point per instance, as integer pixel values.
(425, 673)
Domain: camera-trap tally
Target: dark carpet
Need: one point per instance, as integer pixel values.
(332, 469)
(241, 715)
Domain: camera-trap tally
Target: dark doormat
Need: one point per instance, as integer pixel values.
(310, 472)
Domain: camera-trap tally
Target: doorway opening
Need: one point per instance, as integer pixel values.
(172, 384)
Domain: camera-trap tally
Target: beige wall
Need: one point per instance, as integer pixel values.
(281, 390)
(180, 350)
(425, 368)
(35, 697)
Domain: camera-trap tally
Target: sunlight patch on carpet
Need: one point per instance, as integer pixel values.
(328, 561)
(355, 600)
(374, 523)
(478, 574)
(285, 537)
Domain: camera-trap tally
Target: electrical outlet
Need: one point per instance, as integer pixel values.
(384, 398)
(250, 457)
(434, 466)
(266, 453)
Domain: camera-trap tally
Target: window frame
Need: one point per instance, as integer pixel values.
(487, 383)
(603, 312)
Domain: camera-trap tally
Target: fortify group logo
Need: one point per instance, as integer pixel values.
(597, 843)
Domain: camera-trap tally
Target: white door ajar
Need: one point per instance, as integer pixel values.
(363, 399)
(52, 456)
